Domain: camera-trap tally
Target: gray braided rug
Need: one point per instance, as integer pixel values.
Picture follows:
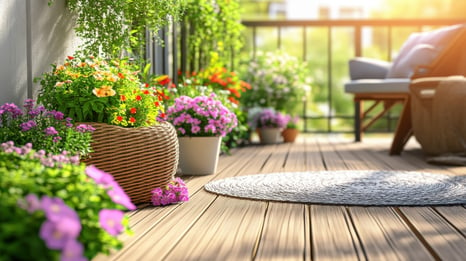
(363, 188)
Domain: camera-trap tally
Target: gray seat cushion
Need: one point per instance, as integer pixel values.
(368, 68)
(394, 85)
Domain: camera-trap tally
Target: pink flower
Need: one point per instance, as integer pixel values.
(118, 195)
(100, 176)
(72, 251)
(111, 221)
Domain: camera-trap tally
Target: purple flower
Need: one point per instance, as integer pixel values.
(50, 131)
(100, 176)
(72, 251)
(61, 225)
(55, 209)
(175, 191)
(33, 203)
(201, 116)
(195, 129)
(25, 126)
(85, 128)
(54, 238)
(111, 221)
(118, 195)
(28, 104)
(12, 109)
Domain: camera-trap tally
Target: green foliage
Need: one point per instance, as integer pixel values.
(113, 26)
(212, 26)
(24, 174)
(45, 130)
(277, 80)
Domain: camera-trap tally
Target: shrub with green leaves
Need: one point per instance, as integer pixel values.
(47, 130)
(53, 206)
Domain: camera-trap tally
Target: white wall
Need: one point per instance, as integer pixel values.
(29, 46)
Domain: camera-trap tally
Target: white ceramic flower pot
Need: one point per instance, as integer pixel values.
(270, 135)
(199, 155)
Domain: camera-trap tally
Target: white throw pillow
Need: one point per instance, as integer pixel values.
(421, 54)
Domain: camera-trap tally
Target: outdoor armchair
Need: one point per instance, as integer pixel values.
(424, 54)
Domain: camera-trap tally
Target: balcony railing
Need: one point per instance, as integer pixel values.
(362, 35)
(326, 45)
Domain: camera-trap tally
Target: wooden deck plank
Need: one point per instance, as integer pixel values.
(444, 239)
(456, 215)
(384, 235)
(283, 236)
(211, 227)
(233, 227)
(333, 237)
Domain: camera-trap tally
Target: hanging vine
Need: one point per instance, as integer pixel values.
(110, 27)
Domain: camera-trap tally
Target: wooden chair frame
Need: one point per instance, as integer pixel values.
(447, 64)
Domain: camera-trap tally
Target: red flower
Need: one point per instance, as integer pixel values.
(146, 92)
(138, 98)
(164, 79)
(132, 120)
(157, 104)
(119, 118)
(70, 57)
(122, 98)
(146, 85)
(133, 110)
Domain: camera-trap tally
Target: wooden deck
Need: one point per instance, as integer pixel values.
(211, 227)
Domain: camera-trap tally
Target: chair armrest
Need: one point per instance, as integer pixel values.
(368, 68)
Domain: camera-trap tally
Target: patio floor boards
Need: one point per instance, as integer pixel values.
(212, 227)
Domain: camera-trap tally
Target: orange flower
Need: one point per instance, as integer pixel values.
(163, 79)
(104, 91)
(133, 110)
(122, 98)
(121, 76)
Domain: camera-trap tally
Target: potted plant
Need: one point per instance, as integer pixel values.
(291, 131)
(56, 208)
(200, 122)
(128, 140)
(277, 81)
(268, 123)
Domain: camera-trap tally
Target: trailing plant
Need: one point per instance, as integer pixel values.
(212, 26)
(113, 26)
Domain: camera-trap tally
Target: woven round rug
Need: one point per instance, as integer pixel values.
(360, 188)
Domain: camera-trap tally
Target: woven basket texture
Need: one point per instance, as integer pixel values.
(140, 159)
(439, 114)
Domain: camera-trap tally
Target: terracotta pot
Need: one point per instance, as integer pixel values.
(289, 135)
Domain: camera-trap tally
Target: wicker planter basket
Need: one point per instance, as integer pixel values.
(140, 159)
